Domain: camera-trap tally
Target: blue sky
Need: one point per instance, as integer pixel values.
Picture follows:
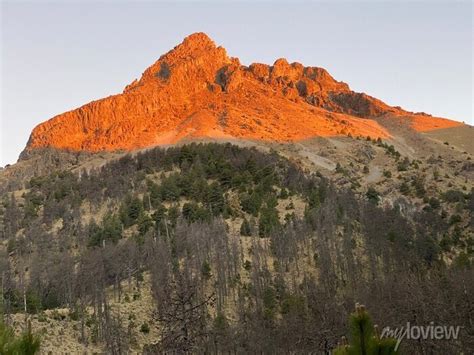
(56, 56)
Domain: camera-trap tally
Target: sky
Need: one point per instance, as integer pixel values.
(57, 56)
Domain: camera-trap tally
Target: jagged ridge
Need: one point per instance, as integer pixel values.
(197, 90)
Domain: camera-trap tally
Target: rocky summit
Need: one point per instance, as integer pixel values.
(197, 91)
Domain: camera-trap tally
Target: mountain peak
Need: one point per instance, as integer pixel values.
(198, 40)
(195, 90)
(190, 63)
(194, 45)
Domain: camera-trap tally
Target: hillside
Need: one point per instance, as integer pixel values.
(268, 257)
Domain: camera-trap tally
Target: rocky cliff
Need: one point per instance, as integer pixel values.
(196, 90)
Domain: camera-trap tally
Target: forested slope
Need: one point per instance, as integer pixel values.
(240, 250)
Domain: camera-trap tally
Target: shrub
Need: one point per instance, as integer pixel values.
(145, 328)
(339, 168)
(419, 185)
(455, 218)
(434, 203)
(206, 270)
(247, 265)
(283, 194)
(453, 196)
(404, 188)
(372, 195)
(404, 164)
(245, 228)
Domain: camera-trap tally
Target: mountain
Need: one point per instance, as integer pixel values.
(274, 200)
(197, 91)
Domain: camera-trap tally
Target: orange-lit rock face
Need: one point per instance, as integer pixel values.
(426, 123)
(196, 90)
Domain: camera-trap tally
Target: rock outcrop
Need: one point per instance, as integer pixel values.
(196, 90)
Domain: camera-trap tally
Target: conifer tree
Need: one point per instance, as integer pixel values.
(245, 228)
(364, 337)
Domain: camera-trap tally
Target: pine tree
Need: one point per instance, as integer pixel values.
(372, 195)
(364, 337)
(130, 210)
(268, 220)
(245, 228)
(215, 199)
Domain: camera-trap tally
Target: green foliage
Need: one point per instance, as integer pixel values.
(144, 223)
(372, 195)
(390, 150)
(427, 248)
(463, 260)
(173, 214)
(11, 245)
(434, 203)
(339, 168)
(314, 198)
(404, 188)
(268, 220)
(470, 201)
(206, 270)
(293, 304)
(25, 344)
(160, 219)
(215, 199)
(130, 211)
(283, 194)
(269, 303)
(154, 194)
(145, 328)
(364, 340)
(109, 231)
(36, 182)
(455, 218)
(251, 203)
(404, 164)
(220, 322)
(194, 212)
(33, 201)
(419, 184)
(169, 189)
(247, 265)
(453, 196)
(245, 228)
(16, 300)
